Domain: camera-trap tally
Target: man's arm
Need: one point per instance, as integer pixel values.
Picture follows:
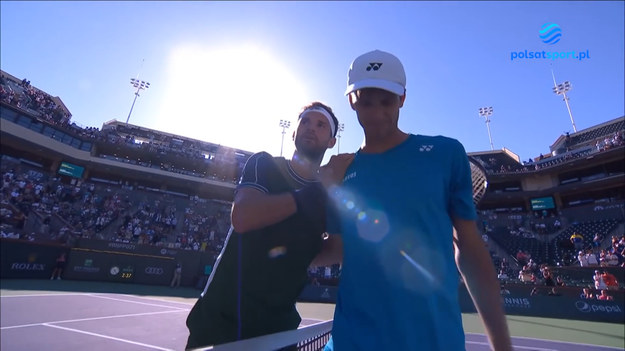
(331, 175)
(478, 272)
(252, 209)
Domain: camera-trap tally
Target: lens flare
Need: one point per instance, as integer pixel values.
(424, 272)
(374, 225)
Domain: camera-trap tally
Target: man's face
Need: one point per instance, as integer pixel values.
(313, 135)
(377, 109)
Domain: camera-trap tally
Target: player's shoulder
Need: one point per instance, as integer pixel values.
(262, 157)
(437, 141)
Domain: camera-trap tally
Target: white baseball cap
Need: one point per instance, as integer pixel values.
(377, 69)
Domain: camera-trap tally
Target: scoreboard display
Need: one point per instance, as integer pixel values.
(542, 203)
(71, 170)
(124, 273)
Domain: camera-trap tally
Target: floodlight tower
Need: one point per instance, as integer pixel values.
(486, 112)
(285, 125)
(140, 85)
(338, 135)
(561, 89)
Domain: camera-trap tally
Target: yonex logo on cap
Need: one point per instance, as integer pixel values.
(374, 66)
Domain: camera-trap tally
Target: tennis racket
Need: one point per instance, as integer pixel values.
(478, 178)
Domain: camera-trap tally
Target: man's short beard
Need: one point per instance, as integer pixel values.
(309, 153)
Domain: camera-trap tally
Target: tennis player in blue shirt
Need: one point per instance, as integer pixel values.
(407, 225)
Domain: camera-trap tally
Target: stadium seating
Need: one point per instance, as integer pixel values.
(561, 243)
(119, 141)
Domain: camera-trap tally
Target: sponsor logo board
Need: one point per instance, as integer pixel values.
(154, 270)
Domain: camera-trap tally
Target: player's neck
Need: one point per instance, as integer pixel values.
(304, 166)
(376, 143)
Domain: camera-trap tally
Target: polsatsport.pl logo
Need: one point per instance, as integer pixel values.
(550, 55)
(550, 34)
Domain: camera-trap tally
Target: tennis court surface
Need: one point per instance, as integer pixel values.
(97, 320)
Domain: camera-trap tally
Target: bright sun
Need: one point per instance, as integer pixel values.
(233, 96)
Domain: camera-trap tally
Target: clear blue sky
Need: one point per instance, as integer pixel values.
(227, 72)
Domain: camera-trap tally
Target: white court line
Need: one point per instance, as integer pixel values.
(555, 341)
(515, 347)
(37, 295)
(314, 320)
(570, 343)
(135, 302)
(108, 337)
(94, 294)
(92, 319)
(161, 300)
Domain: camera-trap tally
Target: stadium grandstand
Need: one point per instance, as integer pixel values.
(124, 188)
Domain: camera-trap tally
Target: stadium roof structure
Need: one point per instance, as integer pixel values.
(588, 136)
(143, 134)
(494, 160)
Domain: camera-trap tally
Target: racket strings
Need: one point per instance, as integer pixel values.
(480, 183)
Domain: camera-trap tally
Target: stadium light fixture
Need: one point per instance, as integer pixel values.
(486, 112)
(562, 89)
(285, 125)
(338, 135)
(140, 85)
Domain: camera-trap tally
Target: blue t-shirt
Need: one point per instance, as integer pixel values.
(399, 282)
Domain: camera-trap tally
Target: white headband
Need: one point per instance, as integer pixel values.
(324, 112)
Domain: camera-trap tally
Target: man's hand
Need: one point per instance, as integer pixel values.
(334, 171)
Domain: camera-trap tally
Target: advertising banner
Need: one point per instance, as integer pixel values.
(562, 307)
(114, 246)
(120, 267)
(24, 259)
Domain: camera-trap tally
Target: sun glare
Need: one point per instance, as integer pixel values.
(233, 96)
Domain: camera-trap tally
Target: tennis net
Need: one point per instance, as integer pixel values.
(309, 338)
